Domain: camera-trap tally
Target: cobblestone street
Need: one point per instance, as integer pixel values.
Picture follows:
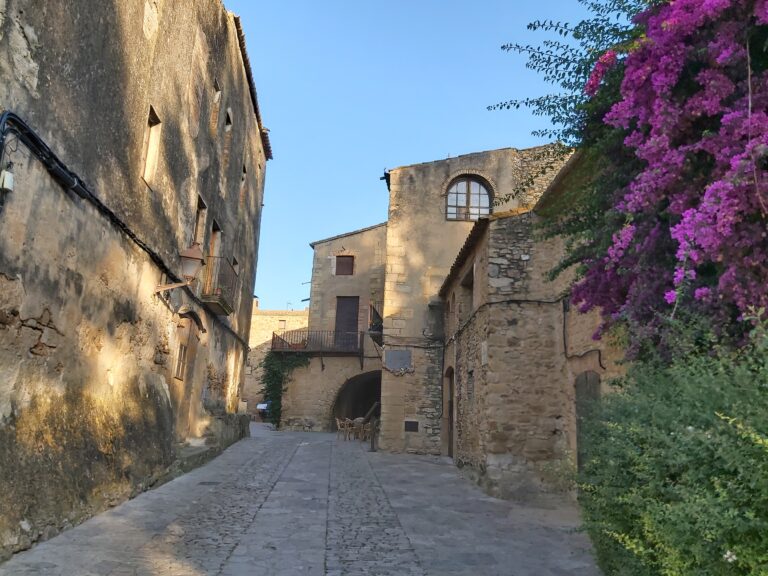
(294, 503)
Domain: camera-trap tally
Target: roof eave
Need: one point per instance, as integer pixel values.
(263, 132)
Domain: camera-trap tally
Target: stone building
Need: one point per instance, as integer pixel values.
(381, 283)
(265, 323)
(343, 378)
(138, 153)
(432, 208)
(518, 360)
(454, 327)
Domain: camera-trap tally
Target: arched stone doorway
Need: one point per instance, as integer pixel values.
(587, 394)
(357, 396)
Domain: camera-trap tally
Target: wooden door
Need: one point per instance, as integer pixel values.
(347, 311)
(449, 379)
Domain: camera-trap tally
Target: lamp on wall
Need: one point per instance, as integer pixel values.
(6, 179)
(192, 261)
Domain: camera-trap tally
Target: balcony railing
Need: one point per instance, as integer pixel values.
(219, 285)
(325, 341)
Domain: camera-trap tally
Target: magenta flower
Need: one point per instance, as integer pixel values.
(699, 199)
(604, 63)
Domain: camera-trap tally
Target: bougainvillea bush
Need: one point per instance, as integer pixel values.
(693, 109)
(668, 102)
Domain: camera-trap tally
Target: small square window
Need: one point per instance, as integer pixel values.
(345, 265)
(281, 325)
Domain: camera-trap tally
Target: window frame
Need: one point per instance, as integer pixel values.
(468, 212)
(345, 258)
(181, 361)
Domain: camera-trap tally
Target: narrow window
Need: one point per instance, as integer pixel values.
(281, 325)
(214, 121)
(227, 145)
(151, 145)
(470, 385)
(236, 266)
(215, 244)
(181, 362)
(213, 264)
(345, 265)
(243, 186)
(199, 235)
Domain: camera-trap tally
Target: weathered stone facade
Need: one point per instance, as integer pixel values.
(264, 323)
(514, 350)
(311, 395)
(422, 243)
(403, 264)
(152, 106)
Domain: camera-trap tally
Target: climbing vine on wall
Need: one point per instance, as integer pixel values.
(277, 368)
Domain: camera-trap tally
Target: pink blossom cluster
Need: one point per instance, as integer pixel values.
(696, 114)
(606, 61)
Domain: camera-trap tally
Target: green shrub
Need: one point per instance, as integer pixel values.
(676, 477)
(277, 367)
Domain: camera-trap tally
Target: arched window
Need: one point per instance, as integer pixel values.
(467, 199)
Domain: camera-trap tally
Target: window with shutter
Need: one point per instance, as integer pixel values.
(345, 265)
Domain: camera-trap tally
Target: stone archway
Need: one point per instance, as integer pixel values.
(356, 397)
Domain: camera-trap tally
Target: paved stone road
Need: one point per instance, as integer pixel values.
(294, 503)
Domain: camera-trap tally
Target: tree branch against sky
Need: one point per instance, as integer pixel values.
(349, 89)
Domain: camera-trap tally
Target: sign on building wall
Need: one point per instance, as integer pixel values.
(397, 360)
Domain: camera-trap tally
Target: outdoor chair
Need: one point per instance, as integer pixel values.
(343, 427)
(366, 431)
(340, 427)
(357, 427)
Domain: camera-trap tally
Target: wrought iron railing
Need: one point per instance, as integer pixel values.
(317, 341)
(219, 285)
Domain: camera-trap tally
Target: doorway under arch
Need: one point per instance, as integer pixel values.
(357, 396)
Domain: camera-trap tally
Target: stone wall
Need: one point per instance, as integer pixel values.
(421, 247)
(367, 247)
(263, 324)
(96, 388)
(515, 361)
(311, 392)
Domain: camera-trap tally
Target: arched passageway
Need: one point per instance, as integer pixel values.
(357, 396)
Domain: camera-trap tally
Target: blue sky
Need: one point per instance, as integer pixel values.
(351, 88)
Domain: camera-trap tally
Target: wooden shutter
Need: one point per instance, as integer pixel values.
(345, 265)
